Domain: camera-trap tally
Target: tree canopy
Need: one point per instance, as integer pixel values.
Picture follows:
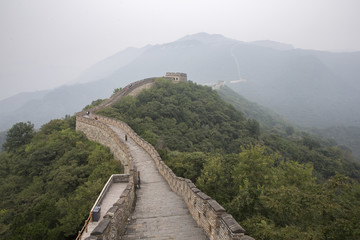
(50, 180)
(20, 134)
(279, 183)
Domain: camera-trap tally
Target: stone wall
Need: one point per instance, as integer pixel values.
(114, 222)
(208, 214)
(131, 89)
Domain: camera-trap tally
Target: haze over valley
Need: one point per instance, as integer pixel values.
(232, 119)
(61, 60)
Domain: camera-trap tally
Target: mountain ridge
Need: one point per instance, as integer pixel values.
(311, 88)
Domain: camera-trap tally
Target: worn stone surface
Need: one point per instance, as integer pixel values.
(159, 212)
(232, 223)
(216, 206)
(101, 227)
(111, 196)
(207, 213)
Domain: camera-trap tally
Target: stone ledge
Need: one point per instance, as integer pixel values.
(195, 190)
(232, 224)
(111, 212)
(191, 185)
(203, 196)
(216, 206)
(101, 227)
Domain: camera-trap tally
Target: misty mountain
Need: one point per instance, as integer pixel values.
(273, 45)
(310, 88)
(268, 119)
(109, 65)
(9, 104)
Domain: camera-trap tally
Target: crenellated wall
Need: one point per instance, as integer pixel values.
(208, 214)
(131, 89)
(114, 222)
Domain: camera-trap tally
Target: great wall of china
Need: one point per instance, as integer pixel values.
(210, 216)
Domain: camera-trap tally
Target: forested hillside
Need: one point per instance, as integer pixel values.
(348, 136)
(281, 184)
(268, 119)
(49, 180)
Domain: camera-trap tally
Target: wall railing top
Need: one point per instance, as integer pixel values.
(200, 205)
(118, 95)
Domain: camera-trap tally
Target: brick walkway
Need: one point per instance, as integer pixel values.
(159, 213)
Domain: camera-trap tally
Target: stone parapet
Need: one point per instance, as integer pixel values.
(131, 89)
(114, 222)
(208, 213)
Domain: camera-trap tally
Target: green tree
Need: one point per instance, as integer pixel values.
(20, 134)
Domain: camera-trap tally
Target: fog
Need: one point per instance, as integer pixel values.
(45, 44)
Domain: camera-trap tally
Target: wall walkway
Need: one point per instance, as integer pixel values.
(167, 206)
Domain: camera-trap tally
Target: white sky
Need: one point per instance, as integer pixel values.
(46, 43)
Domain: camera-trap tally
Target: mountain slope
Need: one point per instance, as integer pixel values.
(348, 136)
(295, 186)
(267, 118)
(310, 88)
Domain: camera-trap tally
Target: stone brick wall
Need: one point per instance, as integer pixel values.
(208, 214)
(131, 89)
(114, 222)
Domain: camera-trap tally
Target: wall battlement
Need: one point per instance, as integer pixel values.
(176, 77)
(209, 214)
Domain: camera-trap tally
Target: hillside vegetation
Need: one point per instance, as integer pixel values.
(281, 184)
(49, 180)
(268, 119)
(348, 136)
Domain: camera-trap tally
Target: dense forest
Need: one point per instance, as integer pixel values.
(279, 183)
(50, 179)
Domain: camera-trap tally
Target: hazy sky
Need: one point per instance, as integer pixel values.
(46, 43)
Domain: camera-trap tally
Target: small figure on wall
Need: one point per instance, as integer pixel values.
(139, 181)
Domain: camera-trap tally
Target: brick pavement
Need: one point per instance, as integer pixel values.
(159, 212)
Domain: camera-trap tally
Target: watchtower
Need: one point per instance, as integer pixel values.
(176, 77)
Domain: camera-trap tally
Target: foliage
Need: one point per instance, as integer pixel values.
(51, 182)
(267, 119)
(94, 104)
(2, 139)
(116, 90)
(281, 200)
(348, 136)
(185, 117)
(279, 183)
(19, 135)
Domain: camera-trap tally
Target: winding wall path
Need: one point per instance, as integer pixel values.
(159, 213)
(167, 206)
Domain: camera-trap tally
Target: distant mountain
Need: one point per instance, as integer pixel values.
(9, 104)
(273, 45)
(310, 88)
(267, 118)
(109, 65)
